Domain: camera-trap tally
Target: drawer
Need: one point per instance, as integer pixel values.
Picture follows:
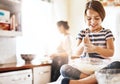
(42, 69)
(42, 74)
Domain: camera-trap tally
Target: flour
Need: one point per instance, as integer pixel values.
(88, 67)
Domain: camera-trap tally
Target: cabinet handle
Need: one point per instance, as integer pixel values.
(43, 72)
(16, 79)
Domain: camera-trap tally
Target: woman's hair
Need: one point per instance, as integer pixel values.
(63, 23)
(96, 6)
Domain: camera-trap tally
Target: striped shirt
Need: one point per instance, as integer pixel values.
(97, 38)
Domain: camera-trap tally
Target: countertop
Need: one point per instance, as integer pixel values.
(15, 66)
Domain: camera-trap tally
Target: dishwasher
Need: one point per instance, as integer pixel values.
(16, 77)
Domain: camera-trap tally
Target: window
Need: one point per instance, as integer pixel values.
(37, 28)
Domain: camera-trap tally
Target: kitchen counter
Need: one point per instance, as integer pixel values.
(14, 66)
(15, 73)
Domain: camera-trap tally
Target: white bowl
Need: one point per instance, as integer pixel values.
(108, 76)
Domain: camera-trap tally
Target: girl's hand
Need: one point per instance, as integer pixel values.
(89, 48)
(86, 40)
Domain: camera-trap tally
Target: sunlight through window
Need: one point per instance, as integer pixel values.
(39, 32)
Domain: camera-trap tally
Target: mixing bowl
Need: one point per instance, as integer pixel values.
(27, 58)
(108, 76)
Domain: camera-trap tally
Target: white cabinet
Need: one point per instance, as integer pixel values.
(16, 77)
(41, 74)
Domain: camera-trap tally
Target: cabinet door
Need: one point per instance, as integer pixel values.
(41, 74)
(16, 77)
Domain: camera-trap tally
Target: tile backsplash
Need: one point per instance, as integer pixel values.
(7, 50)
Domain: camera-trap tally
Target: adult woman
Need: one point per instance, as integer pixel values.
(60, 57)
(88, 41)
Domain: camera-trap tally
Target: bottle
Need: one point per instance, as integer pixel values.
(13, 22)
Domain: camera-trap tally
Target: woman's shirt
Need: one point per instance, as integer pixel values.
(97, 38)
(65, 44)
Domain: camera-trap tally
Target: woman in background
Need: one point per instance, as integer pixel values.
(60, 57)
(95, 41)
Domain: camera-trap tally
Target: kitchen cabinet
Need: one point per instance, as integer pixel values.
(25, 74)
(41, 74)
(16, 77)
(10, 18)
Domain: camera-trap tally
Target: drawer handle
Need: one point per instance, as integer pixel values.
(43, 72)
(16, 79)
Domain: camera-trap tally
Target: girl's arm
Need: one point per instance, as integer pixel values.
(106, 52)
(79, 48)
(81, 45)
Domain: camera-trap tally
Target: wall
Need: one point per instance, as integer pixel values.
(60, 10)
(76, 16)
(112, 21)
(7, 50)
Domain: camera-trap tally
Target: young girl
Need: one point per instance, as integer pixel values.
(95, 41)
